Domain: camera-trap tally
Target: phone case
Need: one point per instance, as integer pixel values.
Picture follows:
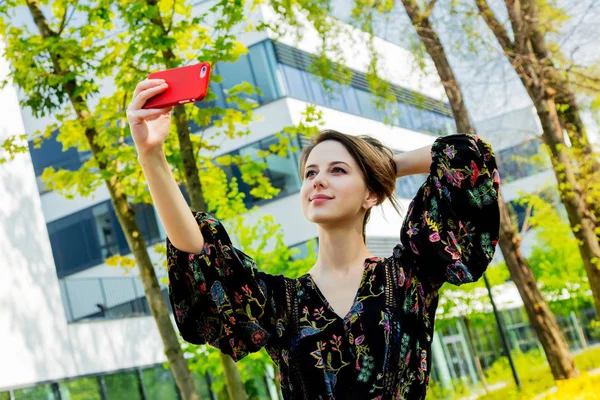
(187, 84)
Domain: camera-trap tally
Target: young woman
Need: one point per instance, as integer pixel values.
(355, 326)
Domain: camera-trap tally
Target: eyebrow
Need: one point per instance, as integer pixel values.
(330, 164)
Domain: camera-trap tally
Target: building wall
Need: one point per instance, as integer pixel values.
(36, 342)
(34, 339)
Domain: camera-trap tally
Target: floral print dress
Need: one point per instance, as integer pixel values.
(382, 348)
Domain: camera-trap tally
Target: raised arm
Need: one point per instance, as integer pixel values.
(149, 129)
(452, 225)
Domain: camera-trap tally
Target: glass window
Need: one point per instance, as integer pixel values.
(367, 105)
(51, 153)
(351, 100)
(74, 243)
(281, 170)
(41, 392)
(335, 99)
(235, 73)
(515, 162)
(263, 73)
(159, 384)
(304, 250)
(294, 82)
(123, 385)
(417, 118)
(317, 94)
(408, 186)
(81, 389)
(105, 229)
(404, 116)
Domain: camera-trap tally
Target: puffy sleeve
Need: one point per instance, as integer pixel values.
(452, 225)
(220, 298)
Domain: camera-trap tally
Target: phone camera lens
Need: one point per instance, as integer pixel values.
(203, 71)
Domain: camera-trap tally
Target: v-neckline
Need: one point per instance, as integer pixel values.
(362, 282)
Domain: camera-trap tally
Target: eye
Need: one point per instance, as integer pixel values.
(307, 175)
(339, 169)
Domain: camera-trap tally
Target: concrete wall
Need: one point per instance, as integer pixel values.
(36, 343)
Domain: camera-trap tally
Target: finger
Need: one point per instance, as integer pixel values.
(147, 84)
(150, 113)
(139, 100)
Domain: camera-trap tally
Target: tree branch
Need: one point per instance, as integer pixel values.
(40, 19)
(518, 25)
(172, 15)
(428, 9)
(496, 27)
(538, 41)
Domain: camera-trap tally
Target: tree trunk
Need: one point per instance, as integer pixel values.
(582, 222)
(126, 216)
(567, 108)
(233, 379)
(544, 323)
(554, 344)
(430, 39)
(528, 67)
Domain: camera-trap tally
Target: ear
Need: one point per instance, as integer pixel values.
(370, 201)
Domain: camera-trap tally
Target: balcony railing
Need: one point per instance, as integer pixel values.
(87, 299)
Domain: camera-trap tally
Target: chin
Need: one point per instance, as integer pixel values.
(325, 217)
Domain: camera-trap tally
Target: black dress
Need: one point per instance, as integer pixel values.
(382, 348)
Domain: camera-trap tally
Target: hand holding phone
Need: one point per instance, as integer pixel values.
(187, 84)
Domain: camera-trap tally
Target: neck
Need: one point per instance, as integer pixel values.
(341, 250)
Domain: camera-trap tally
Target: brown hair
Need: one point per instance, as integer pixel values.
(374, 160)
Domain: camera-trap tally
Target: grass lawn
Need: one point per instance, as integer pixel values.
(536, 379)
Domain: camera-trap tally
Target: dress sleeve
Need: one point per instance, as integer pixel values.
(220, 298)
(452, 225)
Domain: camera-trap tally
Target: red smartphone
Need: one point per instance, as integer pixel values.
(187, 84)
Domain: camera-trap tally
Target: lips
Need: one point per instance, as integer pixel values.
(320, 197)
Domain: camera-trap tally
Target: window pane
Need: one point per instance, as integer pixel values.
(159, 384)
(51, 153)
(417, 118)
(294, 82)
(81, 389)
(305, 249)
(368, 107)
(74, 243)
(105, 230)
(236, 73)
(263, 72)
(123, 386)
(317, 94)
(405, 117)
(334, 99)
(42, 392)
(281, 171)
(146, 219)
(408, 186)
(349, 94)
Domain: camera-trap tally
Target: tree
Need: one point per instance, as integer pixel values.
(543, 320)
(549, 93)
(157, 37)
(555, 346)
(56, 69)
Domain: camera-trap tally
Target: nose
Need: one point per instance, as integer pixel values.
(319, 181)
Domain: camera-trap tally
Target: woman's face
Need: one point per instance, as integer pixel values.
(333, 187)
